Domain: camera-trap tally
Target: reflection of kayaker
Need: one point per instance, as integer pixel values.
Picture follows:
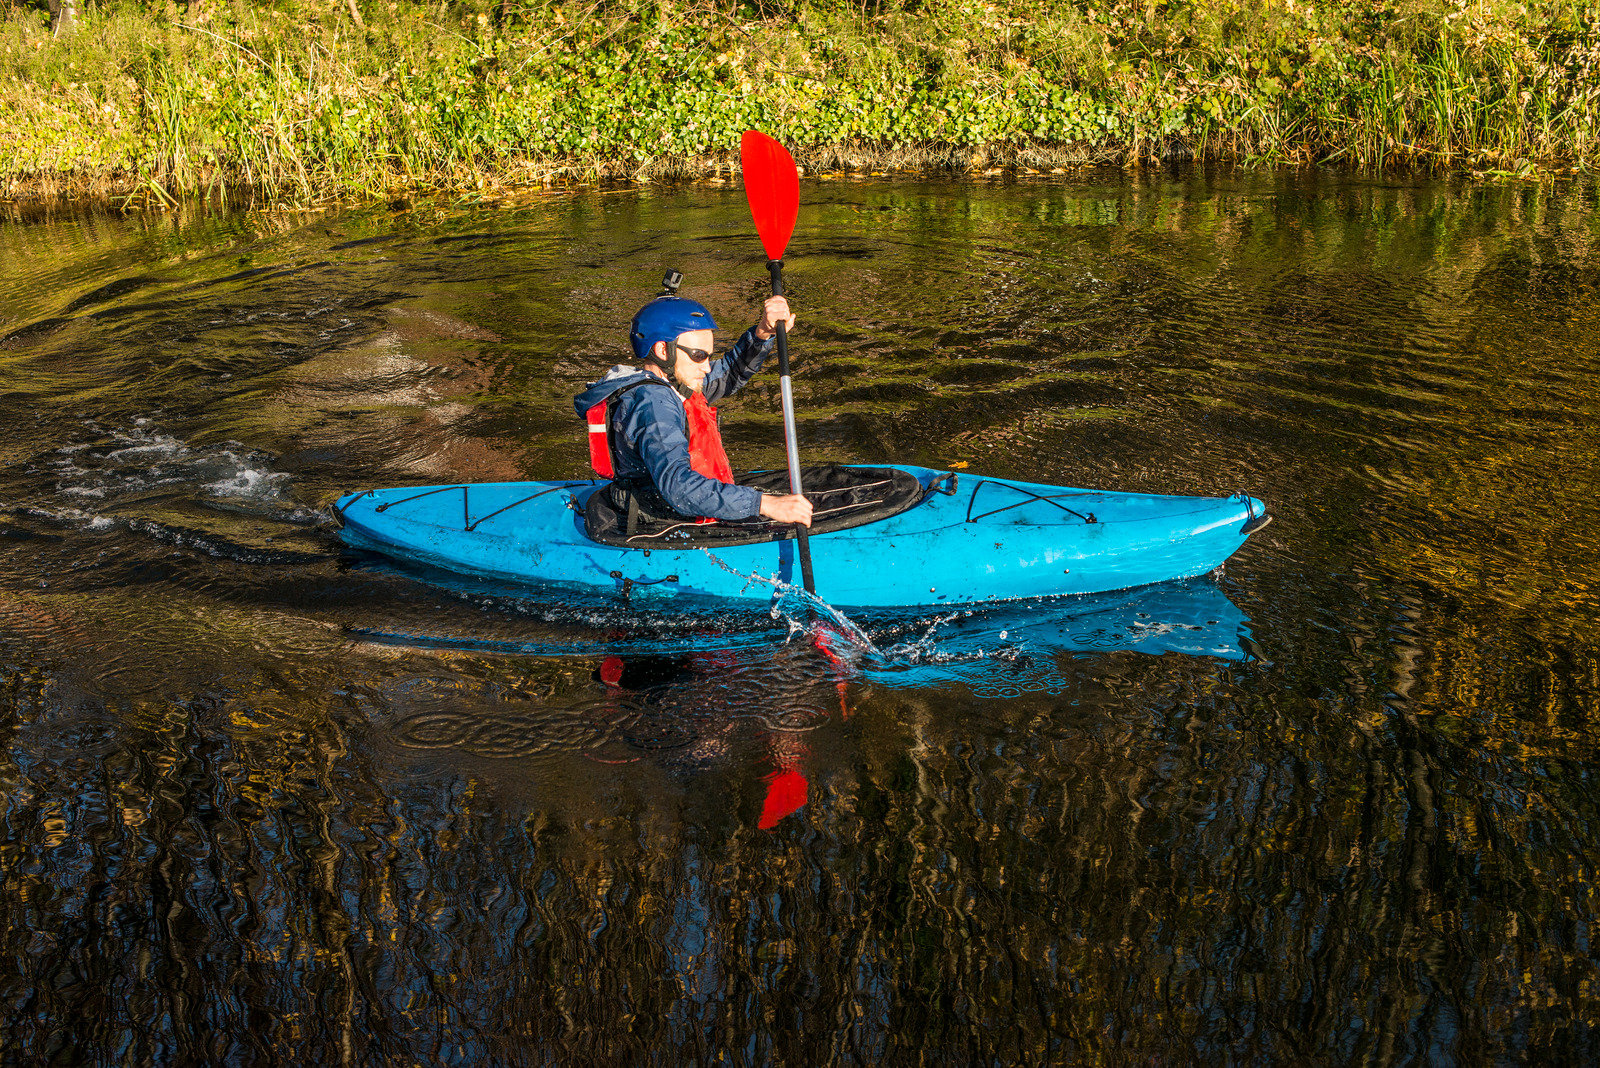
(648, 678)
(663, 450)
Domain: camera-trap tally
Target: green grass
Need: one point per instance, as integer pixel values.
(305, 102)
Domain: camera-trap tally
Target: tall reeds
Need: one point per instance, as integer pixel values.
(315, 101)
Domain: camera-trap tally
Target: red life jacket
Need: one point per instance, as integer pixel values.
(706, 454)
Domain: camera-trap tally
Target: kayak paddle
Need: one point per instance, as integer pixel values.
(772, 185)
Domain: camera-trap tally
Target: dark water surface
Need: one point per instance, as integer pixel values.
(265, 800)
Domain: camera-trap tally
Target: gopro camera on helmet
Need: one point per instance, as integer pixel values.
(664, 318)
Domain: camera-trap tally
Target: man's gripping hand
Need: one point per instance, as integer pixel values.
(774, 311)
(789, 508)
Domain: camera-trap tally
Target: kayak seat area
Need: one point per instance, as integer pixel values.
(633, 515)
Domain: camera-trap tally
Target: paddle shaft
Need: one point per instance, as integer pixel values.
(791, 441)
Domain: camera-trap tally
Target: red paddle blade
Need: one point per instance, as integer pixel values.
(772, 185)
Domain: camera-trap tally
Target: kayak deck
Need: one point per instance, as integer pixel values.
(969, 540)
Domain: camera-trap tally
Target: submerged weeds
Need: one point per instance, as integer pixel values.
(366, 99)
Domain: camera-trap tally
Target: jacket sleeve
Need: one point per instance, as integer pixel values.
(737, 367)
(653, 424)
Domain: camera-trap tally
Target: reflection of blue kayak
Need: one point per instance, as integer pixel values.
(1003, 650)
(1019, 645)
(1192, 618)
(951, 541)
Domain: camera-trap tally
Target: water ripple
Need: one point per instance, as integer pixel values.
(1336, 803)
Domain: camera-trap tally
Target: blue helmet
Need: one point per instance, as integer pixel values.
(663, 319)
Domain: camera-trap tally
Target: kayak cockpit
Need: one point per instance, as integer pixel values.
(844, 497)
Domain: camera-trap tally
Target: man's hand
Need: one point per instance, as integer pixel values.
(774, 311)
(790, 508)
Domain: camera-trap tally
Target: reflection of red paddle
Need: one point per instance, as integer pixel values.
(772, 185)
(787, 788)
(786, 793)
(823, 636)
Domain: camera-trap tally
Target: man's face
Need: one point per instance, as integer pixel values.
(692, 373)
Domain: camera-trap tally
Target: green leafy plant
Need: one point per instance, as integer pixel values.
(363, 99)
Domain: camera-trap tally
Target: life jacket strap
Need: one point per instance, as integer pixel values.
(598, 419)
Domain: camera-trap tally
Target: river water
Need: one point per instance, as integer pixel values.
(264, 799)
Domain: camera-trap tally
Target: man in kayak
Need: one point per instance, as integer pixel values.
(646, 434)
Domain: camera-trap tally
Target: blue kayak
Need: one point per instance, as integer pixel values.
(945, 539)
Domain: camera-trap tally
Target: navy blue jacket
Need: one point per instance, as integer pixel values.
(652, 431)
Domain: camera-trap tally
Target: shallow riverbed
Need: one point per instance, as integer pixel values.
(262, 797)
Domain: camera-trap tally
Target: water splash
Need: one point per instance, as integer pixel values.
(807, 616)
(847, 642)
(137, 462)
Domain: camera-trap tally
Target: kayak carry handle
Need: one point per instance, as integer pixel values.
(1252, 521)
(644, 582)
(628, 584)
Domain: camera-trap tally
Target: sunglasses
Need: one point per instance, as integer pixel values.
(697, 355)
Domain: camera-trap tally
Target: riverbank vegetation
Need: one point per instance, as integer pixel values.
(365, 97)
